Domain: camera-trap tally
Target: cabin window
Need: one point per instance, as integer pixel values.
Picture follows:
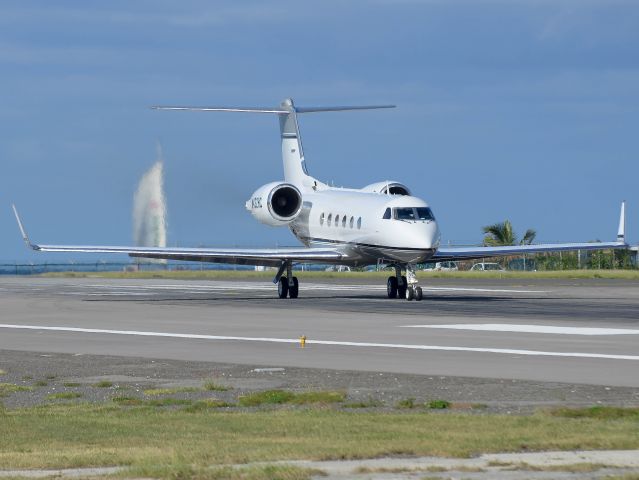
(359, 223)
(322, 219)
(330, 218)
(387, 214)
(344, 221)
(352, 222)
(337, 220)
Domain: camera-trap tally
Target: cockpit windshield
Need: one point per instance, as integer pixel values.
(412, 214)
(424, 213)
(405, 214)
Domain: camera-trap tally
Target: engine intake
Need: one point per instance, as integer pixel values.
(285, 202)
(275, 203)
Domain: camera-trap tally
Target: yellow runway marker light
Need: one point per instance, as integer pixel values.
(303, 341)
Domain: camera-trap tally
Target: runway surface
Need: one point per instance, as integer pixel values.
(544, 330)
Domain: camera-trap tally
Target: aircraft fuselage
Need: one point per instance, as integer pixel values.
(353, 222)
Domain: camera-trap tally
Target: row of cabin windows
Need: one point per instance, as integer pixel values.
(344, 219)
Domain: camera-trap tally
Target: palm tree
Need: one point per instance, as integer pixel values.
(529, 237)
(502, 234)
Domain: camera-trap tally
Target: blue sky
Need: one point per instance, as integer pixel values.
(526, 110)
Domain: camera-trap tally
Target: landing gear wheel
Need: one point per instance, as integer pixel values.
(294, 290)
(401, 289)
(418, 294)
(391, 287)
(282, 287)
(410, 293)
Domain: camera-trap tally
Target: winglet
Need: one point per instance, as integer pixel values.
(621, 233)
(25, 237)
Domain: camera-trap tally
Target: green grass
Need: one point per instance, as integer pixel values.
(76, 435)
(9, 388)
(273, 397)
(3, 372)
(269, 397)
(191, 405)
(319, 397)
(214, 387)
(103, 384)
(268, 275)
(603, 412)
(180, 471)
(63, 395)
(128, 401)
(206, 404)
(50, 377)
(167, 401)
(170, 391)
(437, 404)
(406, 403)
(71, 384)
(41, 383)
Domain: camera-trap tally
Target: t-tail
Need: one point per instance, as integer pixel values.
(295, 171)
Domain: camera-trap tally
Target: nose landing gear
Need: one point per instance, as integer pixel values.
(401, 286)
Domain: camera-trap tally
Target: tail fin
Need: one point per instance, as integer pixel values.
(292, 151)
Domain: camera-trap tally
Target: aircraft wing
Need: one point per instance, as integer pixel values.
(470, 253)
(240, 256)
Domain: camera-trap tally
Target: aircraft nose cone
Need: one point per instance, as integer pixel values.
(427, 235)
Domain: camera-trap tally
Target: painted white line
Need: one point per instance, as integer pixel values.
(107, 294)
(505, 327)
(306, 286)
(483, 290)
(507, 351)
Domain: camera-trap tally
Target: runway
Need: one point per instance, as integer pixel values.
(544, 330)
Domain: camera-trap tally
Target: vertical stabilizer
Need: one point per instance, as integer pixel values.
(292, 151)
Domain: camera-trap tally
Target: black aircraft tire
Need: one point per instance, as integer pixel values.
(419, 294)
(282, 287)
(391, 287)
(410, 293)
(295, 289)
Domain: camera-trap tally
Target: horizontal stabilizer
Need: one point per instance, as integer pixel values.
(222, 109)
(286, 108)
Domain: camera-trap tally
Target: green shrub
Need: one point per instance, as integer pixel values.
(438, 404)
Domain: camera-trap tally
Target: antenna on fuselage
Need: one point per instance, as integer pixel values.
(292, 151)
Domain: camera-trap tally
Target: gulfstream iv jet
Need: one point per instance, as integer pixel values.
(380, 223)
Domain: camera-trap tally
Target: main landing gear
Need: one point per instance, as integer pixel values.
(287, 285)
(401, 286)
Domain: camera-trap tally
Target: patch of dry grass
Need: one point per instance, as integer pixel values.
(76, 435)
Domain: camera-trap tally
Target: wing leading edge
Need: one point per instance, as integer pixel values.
(470, 253)
(239, 256)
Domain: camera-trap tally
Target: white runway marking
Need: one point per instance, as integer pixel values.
(304, 286)
(506, 351)
(504, 327)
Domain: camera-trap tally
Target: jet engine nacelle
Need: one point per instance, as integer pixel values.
(275, 203)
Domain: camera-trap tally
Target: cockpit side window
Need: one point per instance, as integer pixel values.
(424, 213)
(387, 214)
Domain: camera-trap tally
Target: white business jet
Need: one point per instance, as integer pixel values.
(382, 223)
